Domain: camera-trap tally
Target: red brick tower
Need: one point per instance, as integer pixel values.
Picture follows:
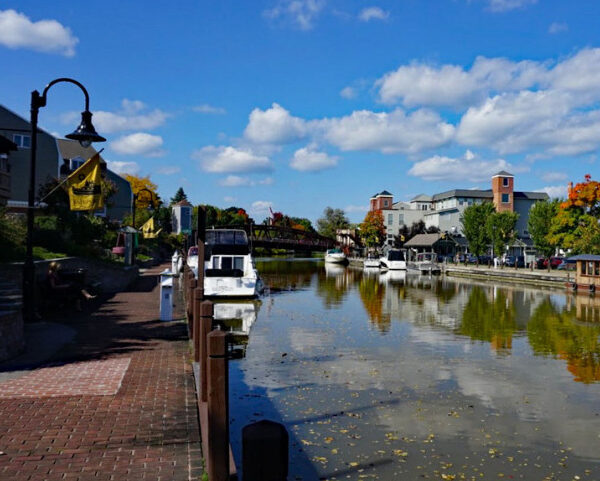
(503, 190)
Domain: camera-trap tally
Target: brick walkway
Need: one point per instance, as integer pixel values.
(116, 403)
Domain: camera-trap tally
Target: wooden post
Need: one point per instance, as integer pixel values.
(190, 297)
(198, 298)
(206, 319)
(265, 446)
(218, 407)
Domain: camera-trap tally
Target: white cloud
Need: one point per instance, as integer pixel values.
(260, 207)
(275, 126)
(240, 181)
(228, 198)
(131, 116)
(123, 167)
(469, 167)
(309, 159)
(506, 5)
(18, 31)
(554, 176)
(267, 181)
(373, 13)
(558, 27)
(555, 191)
(209, 109)
(301, 13)
(387, 132)
(139, 143)
(226, 159)
(348, 92)
(168, 170)
(356, 208)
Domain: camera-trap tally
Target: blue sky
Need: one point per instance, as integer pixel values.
(303, 104)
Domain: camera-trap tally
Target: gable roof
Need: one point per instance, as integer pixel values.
(16, 122)
(423, 240)
(71, 149)
(421, 198)
(502, 173)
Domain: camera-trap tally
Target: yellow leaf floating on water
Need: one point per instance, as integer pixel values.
(320, 459)
(328, 439)
(353, 463)
(334, 451)
(391, 436)
(448, 476)
(399, 452)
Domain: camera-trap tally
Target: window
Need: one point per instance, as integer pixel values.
(401, 219)
(390, 219)
(505, 181)
(22, 141)
(238, 263)
(76, 163)
(583, 269)
(226, 262)
(3, 163)
(505, 198)
(215, 262)
(386, 203)
(597, 271)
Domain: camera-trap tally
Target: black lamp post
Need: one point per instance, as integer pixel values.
(85, 134)
(151, 202)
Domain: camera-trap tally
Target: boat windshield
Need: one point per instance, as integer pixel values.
(193, 251)
(334, 251)
(226, 237)
(395, 255)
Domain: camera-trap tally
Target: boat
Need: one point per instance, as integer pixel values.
(335, 256)
(393, 260)
(425, 263)
(229, 269)
(371, 262)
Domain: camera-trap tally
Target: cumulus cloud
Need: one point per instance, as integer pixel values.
(241, 181)
(373, 13)
(469, 167)
(229, 198)
(228, 159)
(300, 13)
(308, 159)
(139, 143)
(274, 125)
(506, 5)
(49, 36)
(260, 207)
(356, 208)
(168, 170)
(557, 27)
(387, 132)
(554, 176)
(209, 109)
(555, 191)
(348, 92)
(123, 167)
(133, 115)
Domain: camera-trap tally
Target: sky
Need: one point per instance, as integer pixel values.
(303, 104)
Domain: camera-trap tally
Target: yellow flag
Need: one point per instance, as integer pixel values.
(148, 229)
(85, 186)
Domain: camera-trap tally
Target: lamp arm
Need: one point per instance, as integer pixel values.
(41, 99)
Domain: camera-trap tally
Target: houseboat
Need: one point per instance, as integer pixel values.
(587, 275)
(229, 269)
(424, 263)
(393, 260)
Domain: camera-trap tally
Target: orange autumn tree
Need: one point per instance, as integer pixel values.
(138, 184)
(372, 229)
(585, 195)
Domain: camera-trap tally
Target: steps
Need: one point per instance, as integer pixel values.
(12, 341)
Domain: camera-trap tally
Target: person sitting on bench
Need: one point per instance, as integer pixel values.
(68, 289)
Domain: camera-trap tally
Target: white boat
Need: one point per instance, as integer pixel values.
(229, 269)
(393, 260)
(335, 256)
(371, 262)
(425, 263)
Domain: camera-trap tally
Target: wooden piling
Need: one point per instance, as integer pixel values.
(218, 407)
(265, 447)
(206, 319)
(195, 330)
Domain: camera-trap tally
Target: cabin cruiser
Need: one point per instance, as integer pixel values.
(229, 269)
(335, 256)
(393, 260)
(371, 262)
(425, 263)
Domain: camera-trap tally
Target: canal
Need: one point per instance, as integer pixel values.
(397, 376)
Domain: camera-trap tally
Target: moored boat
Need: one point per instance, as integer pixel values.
(335, 256)
(425, 263)
(371, 262)
(393, 260)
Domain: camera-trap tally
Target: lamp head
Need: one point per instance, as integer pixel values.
(86, 133)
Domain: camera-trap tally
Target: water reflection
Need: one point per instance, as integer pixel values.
(237, 318)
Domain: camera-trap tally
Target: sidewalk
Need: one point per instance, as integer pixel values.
(115, 401)
(539, 277)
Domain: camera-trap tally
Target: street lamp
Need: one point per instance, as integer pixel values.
(151, 202)
(85, 134)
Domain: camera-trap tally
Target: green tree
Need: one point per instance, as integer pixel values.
(501, 230)
(539, 223)
(372, 230)
(332, 220)
(473, 220)
(179, 196)
(304, 222)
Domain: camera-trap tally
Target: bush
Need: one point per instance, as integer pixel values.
(13, 232)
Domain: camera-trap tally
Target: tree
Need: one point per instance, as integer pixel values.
(539, 223)
(372, 229)
(473, 220)
(179, 196)
(332, 220)
(563, 227)
(501, 230)
(587, 236)
(138, 184)
(416, 228)
(302, 223)
(585, 195)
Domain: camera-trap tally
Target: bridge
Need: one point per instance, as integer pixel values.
(277, 237)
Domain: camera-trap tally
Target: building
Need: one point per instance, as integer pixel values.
(181, 217)
(18, 130)
(445, 209)
(6, 146)
(73, 156)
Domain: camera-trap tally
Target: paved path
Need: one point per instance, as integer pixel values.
(114, 403)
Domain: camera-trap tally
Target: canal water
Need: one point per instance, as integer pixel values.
(398, 376)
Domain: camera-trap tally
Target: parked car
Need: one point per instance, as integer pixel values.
(485, 260)
(514, 261)
(567, 265)
(554, 262)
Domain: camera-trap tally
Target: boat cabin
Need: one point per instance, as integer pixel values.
(587, 275)
(226, 252)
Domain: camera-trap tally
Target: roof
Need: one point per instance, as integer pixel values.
(421, 240)
(584, 257)
(70, 149)
(531, 195)
(183, 203)
(502, 173)
(422, 198)
(474, 193)
(16, 122)
(384, 193)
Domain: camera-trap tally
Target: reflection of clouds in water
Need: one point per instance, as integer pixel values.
(307, 341)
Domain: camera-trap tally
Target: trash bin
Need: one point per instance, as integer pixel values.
(166, 295)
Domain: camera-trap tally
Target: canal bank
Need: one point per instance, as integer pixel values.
(508, 274)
